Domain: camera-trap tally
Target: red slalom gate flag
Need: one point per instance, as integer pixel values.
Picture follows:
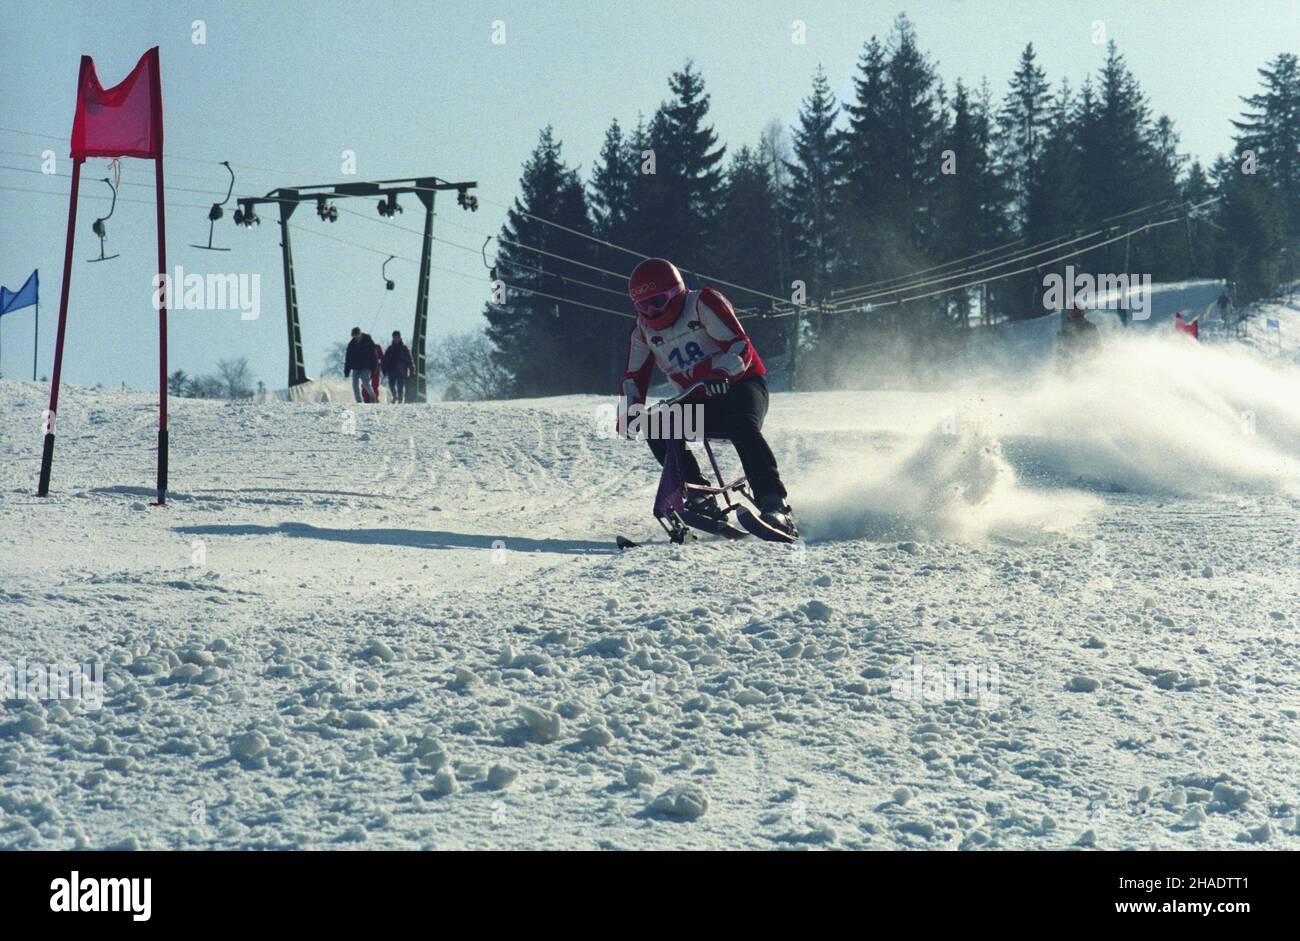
(122, 121)
(1182, 326)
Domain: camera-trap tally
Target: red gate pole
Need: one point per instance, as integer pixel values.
(47, 455)
(162, 336)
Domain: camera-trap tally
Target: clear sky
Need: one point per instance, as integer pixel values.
(420, 88)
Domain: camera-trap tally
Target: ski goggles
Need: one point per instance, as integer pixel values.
(657, 303)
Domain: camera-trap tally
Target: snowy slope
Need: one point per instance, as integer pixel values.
(420, 634)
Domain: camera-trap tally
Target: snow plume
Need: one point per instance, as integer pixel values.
(955, 486)
(1023, 455)
(1163, 415)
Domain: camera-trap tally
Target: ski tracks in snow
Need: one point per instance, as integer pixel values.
(313, 647)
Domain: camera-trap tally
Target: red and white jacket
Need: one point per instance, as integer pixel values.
(706, 341)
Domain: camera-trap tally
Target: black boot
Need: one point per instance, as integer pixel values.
(705, 505)
(774, 511)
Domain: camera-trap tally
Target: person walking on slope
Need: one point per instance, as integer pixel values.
(692, 336)
(398, 367)
(360, 361)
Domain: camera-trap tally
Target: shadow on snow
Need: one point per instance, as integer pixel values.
(413, 538)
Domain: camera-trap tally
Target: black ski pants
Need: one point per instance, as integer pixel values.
(738, 415)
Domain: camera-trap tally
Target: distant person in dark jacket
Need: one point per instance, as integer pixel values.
(398, 367)
(360, 362)
(1079, 337)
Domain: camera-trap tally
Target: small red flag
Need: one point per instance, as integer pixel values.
(122, 121)
(1182, 326)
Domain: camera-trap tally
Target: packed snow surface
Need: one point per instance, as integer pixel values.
(1032, 610)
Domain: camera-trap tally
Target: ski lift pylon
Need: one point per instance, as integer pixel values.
(100, 229)
(215, 213)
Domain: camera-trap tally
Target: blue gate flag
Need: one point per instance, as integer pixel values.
(25, 296)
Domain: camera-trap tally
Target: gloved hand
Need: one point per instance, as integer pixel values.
(630, 429)
(716, 387)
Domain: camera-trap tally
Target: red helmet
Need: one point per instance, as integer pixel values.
(653, 286)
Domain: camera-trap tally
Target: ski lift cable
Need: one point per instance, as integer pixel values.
(479, 251)
(125, 199)
(1037, 266)
(753, 315)
(150, 186)
(619, 275)
(965, 272)
(312, 230)
(555, 297)
(564, 278)
(1002, 251)
(947, 264)
(529, 248)
(170, 156)
(593, 238)
(703, 276)
(520, 245)
(999, 277)
(604, 241)
(565, 300)
(171, 174)
(334, 238)
(1068, 255)
(978, 270)
(961, 274)
(989, 251)
(120, 199)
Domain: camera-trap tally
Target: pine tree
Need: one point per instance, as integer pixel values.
(612, 196)
(973, 195)
(1022, 130)
(1165, 252)
(1202, 240)
(677, 202)
(1253, 235)
(891, 159)
(1270, 130)
(865, 187)
(813, 196)
(815, 188)
(612, 183)
(915, 109)
(1053, 203)
(1119, 164)
(544, 343)
(749, 207)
